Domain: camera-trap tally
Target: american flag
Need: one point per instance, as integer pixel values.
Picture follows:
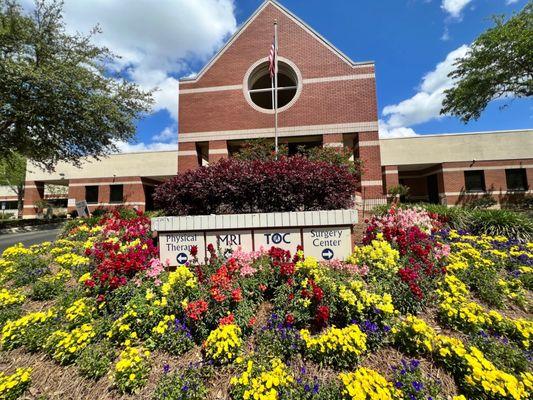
(272, 60)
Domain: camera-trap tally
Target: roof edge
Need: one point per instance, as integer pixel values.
(291, 15)
(432, 135)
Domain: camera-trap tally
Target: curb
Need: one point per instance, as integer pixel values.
(31, 228)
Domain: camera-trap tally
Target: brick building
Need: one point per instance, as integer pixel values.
(325, 99)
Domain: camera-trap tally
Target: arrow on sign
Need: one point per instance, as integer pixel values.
(182, 258)
(327, 254)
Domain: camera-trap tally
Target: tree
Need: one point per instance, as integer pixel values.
(58, 101)
(499, 64)
(13, 175)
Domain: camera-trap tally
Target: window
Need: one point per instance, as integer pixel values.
(516, 179)
(260, 85)
(474, 181)
(116, 194)
(91, 194)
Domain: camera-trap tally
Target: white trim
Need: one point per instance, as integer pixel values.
(282, 132)
(246, 92)
(491, 167)
(210, 89)
(187, 153)
(369, 143)
(371, 183)
(127, 203)
(77, 184)
(296, 20)
(391, 172)
(486, 192)
(422, 136)
(218, 151)
(338, 78)
(333, 144)
(305, 81)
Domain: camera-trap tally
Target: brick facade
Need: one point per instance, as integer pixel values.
(451, 186)
(336, 99)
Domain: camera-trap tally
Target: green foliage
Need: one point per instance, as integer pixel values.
(29, 268)
(414, 385)
(499, 64)
(483, 281)
(505, 355)
(260, 149)
(482, 202)
(398, 190)
(46, 288)
(502, 222)
(9, 313)
(335, 156)
(187, 384)
(94, 361)
(68, 106)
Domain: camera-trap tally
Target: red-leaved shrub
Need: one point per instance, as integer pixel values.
(236, 186)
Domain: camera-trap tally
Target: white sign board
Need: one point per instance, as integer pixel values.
(327, 244)
(3, 205)
(82, 208)
(286, 239)
(225, 240)
(71, 203)
(176, 247)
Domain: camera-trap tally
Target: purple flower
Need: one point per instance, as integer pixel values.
(418, 386)
(166, 368)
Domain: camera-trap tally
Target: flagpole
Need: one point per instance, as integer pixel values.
(276, 86)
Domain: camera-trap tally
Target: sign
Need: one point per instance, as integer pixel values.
(225, 240)
(176, 247)
(327, 244)
(82, 208)
(71, 202)
(3, 205)
(286, 239)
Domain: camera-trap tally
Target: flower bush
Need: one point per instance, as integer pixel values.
(275, 324)
(131, 370)
(223, 344)
(14, 385)
(235, 186)
(365, 384)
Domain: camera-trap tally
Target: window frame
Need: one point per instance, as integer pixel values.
(523, 178)
(89, 201)
(481, 172)
(114, 201)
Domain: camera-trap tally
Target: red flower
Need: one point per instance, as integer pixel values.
(228, 320)
(100, 298)
(252, 321)
(322, 315)
(289, 319)
(236, 295)
(194, 251)
(291, 296)
(210, 248)
(195, 309)
(90, 283)
(262, 287)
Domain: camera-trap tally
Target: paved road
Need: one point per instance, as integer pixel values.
(27, 238)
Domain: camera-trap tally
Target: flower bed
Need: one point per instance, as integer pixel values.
(270, 324)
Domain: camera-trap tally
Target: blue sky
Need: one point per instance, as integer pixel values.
(413, 43)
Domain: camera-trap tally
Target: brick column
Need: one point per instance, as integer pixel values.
(367, 149)
(75, 192)
(218, 149)
(332, 140)
(187, 156)
(390, 177)
(33, 191)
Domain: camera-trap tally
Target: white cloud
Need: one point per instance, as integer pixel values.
(454, 7)
(511, 2)
(426, 104)
(386, 131)
(169, 134)
(155, 39)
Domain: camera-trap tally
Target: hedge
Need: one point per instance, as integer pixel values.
(236, 186)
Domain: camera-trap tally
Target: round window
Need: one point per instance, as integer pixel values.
(260, 85)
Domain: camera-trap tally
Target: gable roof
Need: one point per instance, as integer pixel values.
(294, 18)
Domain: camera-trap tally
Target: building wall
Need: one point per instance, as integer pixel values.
(337, 97)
